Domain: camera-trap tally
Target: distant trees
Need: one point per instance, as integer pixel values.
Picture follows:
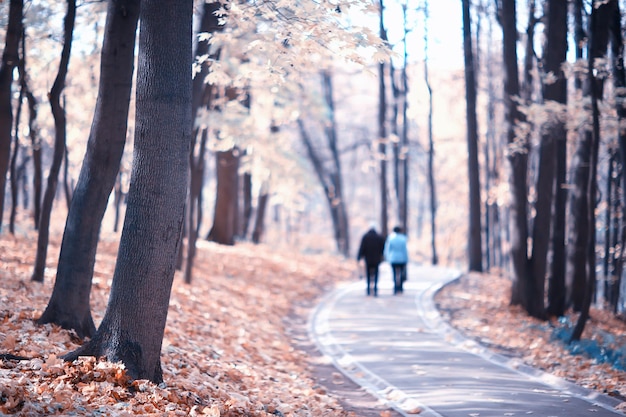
(541, 117)
(10, 59)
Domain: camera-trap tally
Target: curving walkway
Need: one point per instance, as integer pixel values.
(400, 350)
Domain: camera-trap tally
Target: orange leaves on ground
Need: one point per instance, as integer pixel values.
(227, 349)
(478, 305)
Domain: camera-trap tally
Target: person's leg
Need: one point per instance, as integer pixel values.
(396, 278)
(368, 273)
(375, 273)
(402, 274)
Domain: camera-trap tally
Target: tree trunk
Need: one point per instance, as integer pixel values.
(342, 228)
(193, 210)
(518, 156)
(13, 165)
(224, 220)
(201, 97)
(474, 238)
(431, 148)
(619, 83)
(556, 44)
(579, 201)
(382, 131)
(10, 59)
(598, 40)
(133, 325)
(60, 121)
(259, 222)
(69, 304)
(247, 203)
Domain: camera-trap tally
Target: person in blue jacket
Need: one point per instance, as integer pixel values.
(397, 255)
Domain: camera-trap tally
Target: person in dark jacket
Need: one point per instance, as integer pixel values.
(371, 250)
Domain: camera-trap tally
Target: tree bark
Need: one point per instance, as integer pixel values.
(554, 56)
(474, 239)
(133, 325)
(577, 256)
(619, 83)
(69, 304)
(10, 59)
(382, 131)
(431, 147)
(60, 122)
(224, 220)
(201, 97)
(598, 42)
(261, 208)
(518, 154)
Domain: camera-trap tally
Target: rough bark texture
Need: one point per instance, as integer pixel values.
(60, 121)
(10, 59)
(474, 239)
(517, 154)
(69, 305)
(134, 322)
(556, 49)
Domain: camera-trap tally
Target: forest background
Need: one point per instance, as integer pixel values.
(310, 128)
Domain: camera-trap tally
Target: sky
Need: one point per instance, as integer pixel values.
(445, 30)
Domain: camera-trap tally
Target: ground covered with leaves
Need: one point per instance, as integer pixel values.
(228, 349)
(478, 306)
(236, 343)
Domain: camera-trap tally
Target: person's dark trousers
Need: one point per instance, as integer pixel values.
(372, 279)
(399, 276)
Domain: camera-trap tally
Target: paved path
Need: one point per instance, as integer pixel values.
(400, 350)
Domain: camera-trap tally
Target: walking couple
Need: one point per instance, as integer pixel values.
(374, 249)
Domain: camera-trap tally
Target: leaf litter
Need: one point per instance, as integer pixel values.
(228, 348)
(478, 306)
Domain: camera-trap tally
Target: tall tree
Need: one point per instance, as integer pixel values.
(10, 59)
(431, 145)
(60, 122)
(619, 84)
(599, 22)
(382, 129)
(578, 224)
(133, 325)
(202, 97)
(474, 239)
(555, 90)
(68, 306)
